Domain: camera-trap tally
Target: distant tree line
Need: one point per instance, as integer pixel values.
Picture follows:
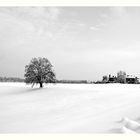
(11, 79)
(74, 81)
(15, 79)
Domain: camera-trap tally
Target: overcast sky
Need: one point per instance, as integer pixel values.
(80, 42)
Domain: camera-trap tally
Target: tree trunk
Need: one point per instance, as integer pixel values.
(41, 85)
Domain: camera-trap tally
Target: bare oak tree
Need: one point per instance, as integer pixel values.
(39, 71)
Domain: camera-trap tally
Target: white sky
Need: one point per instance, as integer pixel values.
(81, 43)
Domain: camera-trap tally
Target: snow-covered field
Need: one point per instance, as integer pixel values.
(76, 108)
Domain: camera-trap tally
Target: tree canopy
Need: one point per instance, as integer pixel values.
(39, 71)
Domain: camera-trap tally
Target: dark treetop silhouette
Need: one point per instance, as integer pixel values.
(39, 71)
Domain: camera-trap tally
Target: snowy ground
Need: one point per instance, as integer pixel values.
(75, 108)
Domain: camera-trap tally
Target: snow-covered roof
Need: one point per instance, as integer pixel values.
(130, 76)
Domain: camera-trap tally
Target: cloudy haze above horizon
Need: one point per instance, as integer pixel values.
(80, 42)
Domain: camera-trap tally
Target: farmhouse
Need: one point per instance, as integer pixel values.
(131, 79)
(112, 79)
(120, 78)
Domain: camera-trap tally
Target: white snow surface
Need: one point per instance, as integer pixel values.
(70, 108)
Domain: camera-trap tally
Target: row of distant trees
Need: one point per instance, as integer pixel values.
(11, 79)
(75, 81)
(15, 79)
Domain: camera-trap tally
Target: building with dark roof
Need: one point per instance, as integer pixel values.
(121, 78)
